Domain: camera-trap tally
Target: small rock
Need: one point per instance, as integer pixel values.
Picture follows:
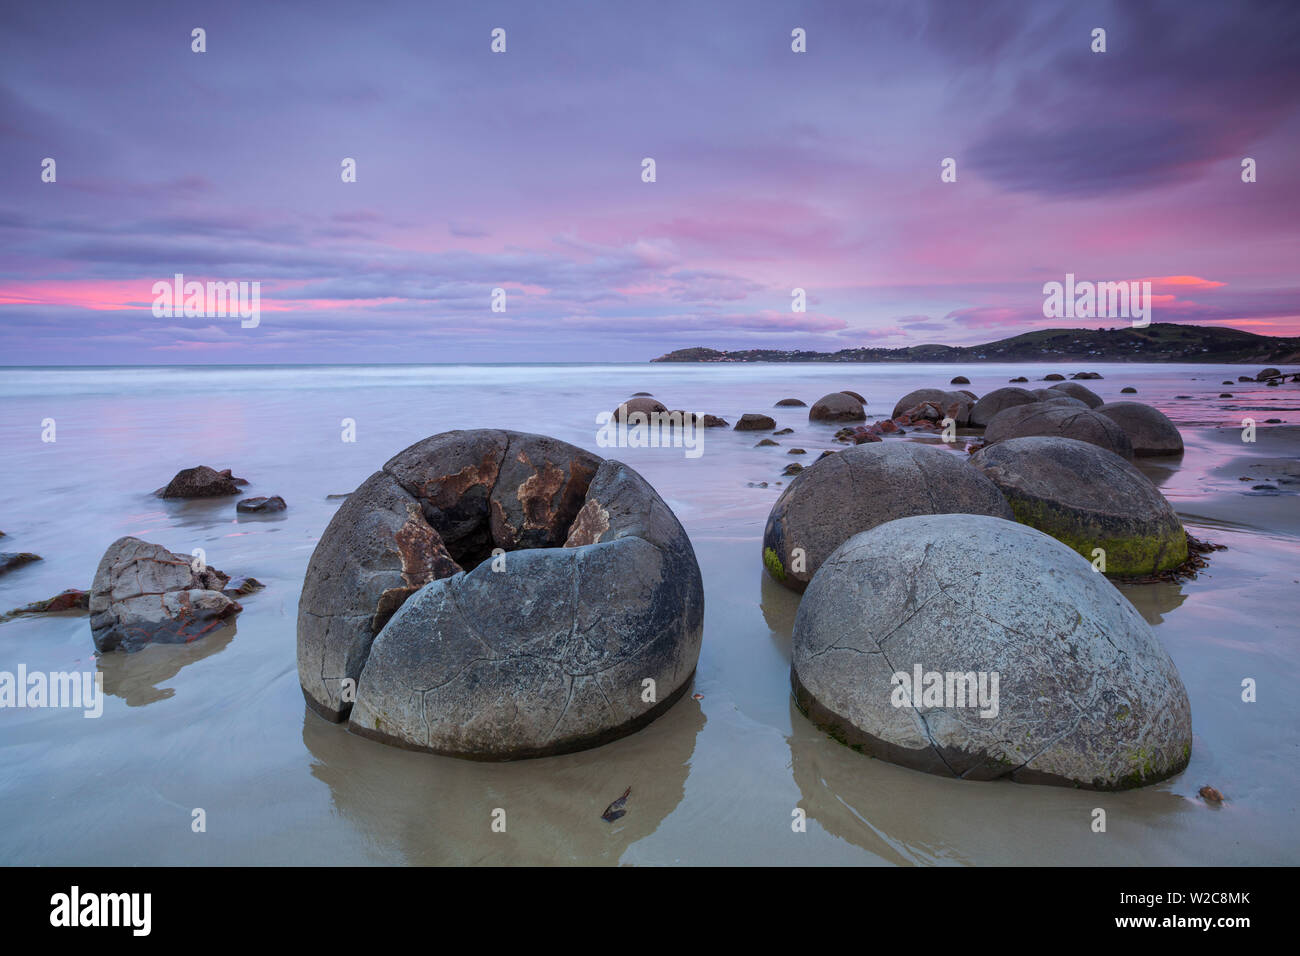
(261, 505)
(766, 443)
(784, 431)
(960, 380)
(1225, 395)
(796, 451)
(238, 587)
(750, 422)
(70, 600)
(1128, 390)
(10, 560)
(1210, 795)
(791, 403)
(1017, 379)
(201, 482)
(713, 421)
(1053, 377)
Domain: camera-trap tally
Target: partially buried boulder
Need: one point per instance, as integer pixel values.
(1149, 430)
(12, 560)
(1267, 374)
(995, 401)
(1057, 398)
(790, 403)
(859, 488)
(642, 404)
(1049, 419)
(974, 647)
(1087, 498)
(498, 595)
(1082, 392)
(750, 422)
(837, 407)
(144, 594)
(201, 482)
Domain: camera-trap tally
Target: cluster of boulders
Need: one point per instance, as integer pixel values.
(913, 559)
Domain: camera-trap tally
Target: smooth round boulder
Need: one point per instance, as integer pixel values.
(1128, 390)
(1082, 392)
(1149, 430)
(854, 395)
(638, 404)
(837, 407)
(1267, 374)
(995, 401)
(1087, 498)
(974, 647)
(791, 403)
(1054, 420)
(497, 595)
(1054, 377)
(861, 487)
(1058, 398)
(959, 380)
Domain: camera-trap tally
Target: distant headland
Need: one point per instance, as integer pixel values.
(1158, 342)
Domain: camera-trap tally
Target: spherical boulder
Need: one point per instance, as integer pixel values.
(1050, 419)
(959, 380)
(499, 595)
(974, 647)
(995, 401)
(791, 403)
(861, 487)
(1266, 374)
(1054, 377)
(1149, 430)
(855, 395)
(1082, 392)
(1087, 498)
(837, 407)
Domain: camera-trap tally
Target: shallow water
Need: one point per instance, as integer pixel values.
(221, 724)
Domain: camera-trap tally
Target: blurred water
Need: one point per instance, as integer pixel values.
(221, 724)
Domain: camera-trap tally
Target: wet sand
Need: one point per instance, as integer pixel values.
(221, 724)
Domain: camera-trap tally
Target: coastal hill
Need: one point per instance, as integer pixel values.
(1158, 342)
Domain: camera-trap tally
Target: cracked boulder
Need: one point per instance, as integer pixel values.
(838, 496)
(1149, 430)
(498, 595)
(1087, 498)
(954, 405)
(974, 647)
(144, 594)
(1058, 420)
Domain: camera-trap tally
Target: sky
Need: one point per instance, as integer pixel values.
(523, 171)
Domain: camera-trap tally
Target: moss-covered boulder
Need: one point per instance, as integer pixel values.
(1087, 498)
